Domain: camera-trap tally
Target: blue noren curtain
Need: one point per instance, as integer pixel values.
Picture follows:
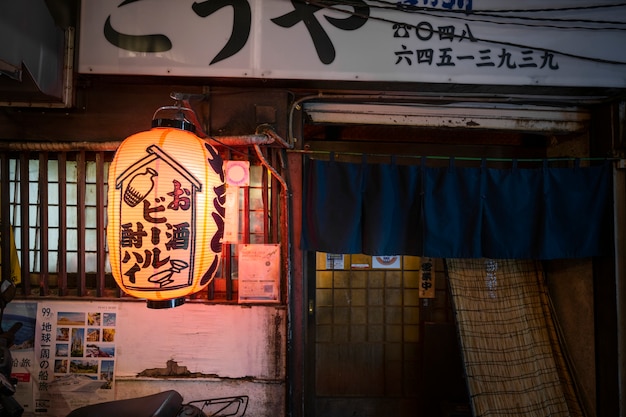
(457, 212)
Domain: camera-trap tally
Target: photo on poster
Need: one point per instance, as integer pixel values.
(62, 350)
(93, 319)
(78, 341)
(23, 313)
(109, 319)
(108, 335)
(23, 349)
(63, 334)
(69, 318)
(93, 335)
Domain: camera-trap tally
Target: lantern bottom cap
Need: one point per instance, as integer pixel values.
(174, 302)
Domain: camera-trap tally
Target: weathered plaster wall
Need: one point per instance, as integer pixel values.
(226, 341)
(238, 350)
(220, 351)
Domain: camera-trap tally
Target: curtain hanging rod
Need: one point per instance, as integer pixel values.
(457, 158)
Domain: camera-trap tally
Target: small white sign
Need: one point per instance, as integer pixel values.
(334, 261)
(427, 278)
(231, 219)
(237, 173)
(386, 262)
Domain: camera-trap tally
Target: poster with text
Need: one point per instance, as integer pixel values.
(22, 350)
(74, 355)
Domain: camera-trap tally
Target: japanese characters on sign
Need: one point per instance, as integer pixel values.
(427, 278)
(446, 56)
(410, 40)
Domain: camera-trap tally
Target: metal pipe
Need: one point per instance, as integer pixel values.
(58, 146)
(268, 131)
(5, 216)
(619, 218)
(284, 225)
(242, 140)
(266, 138)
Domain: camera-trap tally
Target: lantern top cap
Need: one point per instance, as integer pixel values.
(177, 124)
(176, 118)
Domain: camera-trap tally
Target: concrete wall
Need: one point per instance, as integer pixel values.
(236, 350)
(227, 341)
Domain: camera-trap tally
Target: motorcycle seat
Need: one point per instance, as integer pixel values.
(162, 404)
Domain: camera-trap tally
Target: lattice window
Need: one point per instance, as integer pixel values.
(56, 203)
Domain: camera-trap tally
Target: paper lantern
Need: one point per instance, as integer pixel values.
(165, 214)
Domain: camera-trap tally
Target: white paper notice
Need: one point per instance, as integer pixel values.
(259, 273)
(231, 221)
(334, 261)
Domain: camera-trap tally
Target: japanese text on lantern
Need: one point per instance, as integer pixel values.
(158, 234)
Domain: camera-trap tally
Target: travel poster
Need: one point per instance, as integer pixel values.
(75, 356)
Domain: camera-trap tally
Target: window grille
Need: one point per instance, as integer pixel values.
(57, 205)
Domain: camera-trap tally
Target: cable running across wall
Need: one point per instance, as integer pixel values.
(337, 7)
(429, 11)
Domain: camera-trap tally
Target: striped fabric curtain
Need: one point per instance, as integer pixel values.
(513, 360)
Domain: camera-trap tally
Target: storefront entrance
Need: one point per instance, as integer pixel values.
(379, 347)
(366, 338)
(375, 346)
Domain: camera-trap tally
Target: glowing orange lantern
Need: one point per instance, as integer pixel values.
(165, 213)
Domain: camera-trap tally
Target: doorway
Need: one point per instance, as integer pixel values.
(374, 347)
(377, 346)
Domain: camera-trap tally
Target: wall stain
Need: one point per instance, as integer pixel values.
(174, 370)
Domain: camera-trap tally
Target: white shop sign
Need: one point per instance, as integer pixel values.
(438, 41)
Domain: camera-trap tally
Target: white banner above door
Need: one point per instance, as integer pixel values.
(560, 43)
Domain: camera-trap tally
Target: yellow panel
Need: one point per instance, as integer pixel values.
(412, 263)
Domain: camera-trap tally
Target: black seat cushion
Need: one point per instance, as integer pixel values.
(163, 404)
